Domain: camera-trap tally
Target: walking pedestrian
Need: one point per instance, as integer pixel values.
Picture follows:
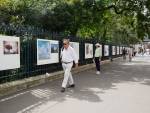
(68, 56)
(130, 54)
(124, 53)
(97, 58)
(134, 53)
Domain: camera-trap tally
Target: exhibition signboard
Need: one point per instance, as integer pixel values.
(88, 50)
(9, 52)
(47, 51)
(75, 45)
(106, 50)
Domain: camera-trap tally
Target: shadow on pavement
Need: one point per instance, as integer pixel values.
(88, 86)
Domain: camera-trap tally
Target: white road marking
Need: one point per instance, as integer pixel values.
(14, 96)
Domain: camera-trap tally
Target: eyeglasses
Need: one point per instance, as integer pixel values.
(64, 44)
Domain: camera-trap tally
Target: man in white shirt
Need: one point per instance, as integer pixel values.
(68, 55)
(97, 57)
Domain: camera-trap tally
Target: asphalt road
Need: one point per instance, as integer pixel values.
(122, 87)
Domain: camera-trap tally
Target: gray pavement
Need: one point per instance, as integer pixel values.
(122, 87)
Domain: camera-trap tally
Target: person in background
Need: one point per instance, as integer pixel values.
(134, 52)
(130, 54)
(97, 58)
(124, 53)
(68, 55)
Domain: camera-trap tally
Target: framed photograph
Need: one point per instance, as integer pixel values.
(88, 50)
(75, 45)
(9, 52)
(54, 48)
(10, 47)
(113, 50)
(44, 49)
(118, 50)
(121, 49)
(106, 50)
(47, 51)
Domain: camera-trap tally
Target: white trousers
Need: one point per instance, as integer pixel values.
(67, 74)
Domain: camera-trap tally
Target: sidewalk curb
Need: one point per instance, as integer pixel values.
(14, 86)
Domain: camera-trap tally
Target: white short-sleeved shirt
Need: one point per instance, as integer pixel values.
(69, 55)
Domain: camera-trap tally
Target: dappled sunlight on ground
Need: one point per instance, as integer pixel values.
(41, 93)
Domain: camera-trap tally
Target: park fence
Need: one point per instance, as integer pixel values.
(28, 51)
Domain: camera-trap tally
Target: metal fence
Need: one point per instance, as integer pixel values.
(28, 52)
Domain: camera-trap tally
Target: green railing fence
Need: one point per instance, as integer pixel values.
(28, 51)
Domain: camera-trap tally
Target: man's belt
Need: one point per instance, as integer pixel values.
(66, 62)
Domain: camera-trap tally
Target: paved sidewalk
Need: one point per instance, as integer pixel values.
(122, 87)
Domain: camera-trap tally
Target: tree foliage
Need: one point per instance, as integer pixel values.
(118, 21)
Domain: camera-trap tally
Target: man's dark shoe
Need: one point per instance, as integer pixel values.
(62, 90)
(71, 86)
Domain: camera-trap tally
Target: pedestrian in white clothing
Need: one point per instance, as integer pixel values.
(68, 55)
(97, 58)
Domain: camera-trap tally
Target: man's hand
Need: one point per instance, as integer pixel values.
(93, 61)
